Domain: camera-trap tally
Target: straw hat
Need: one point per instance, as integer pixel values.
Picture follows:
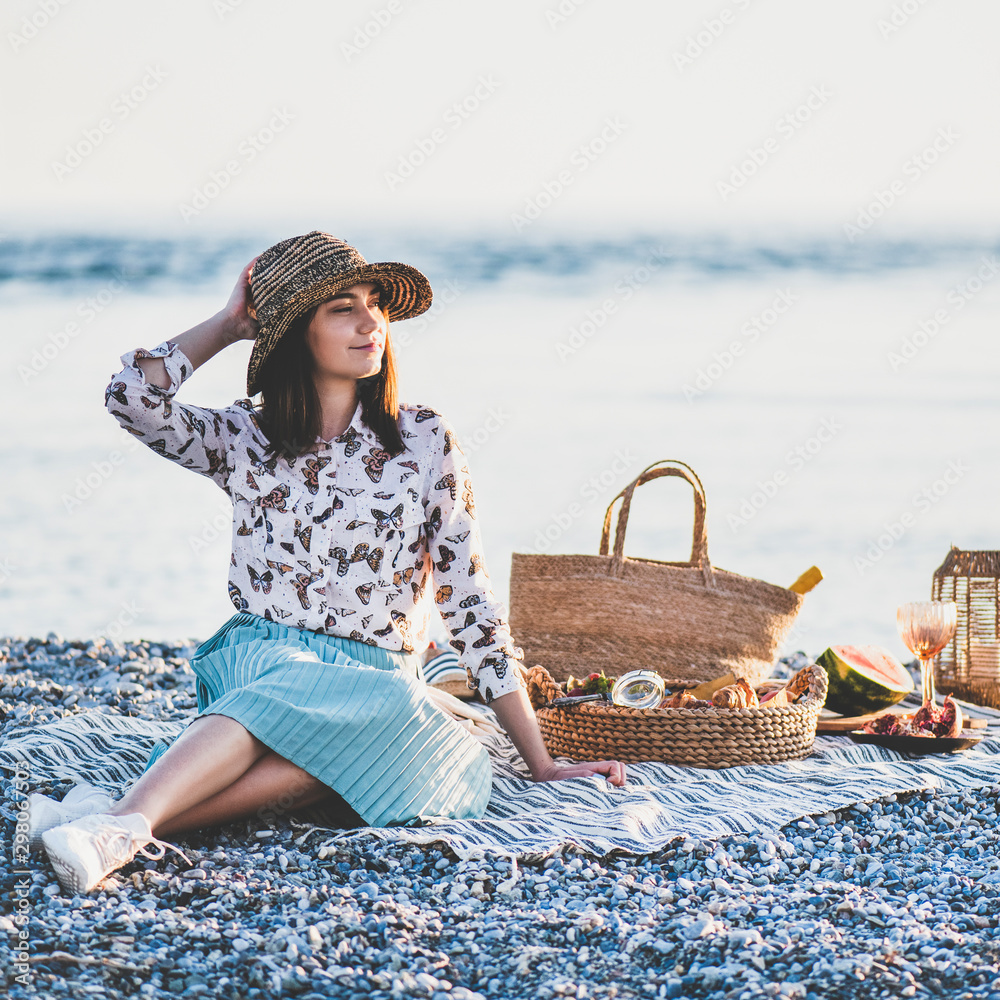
(299, 273)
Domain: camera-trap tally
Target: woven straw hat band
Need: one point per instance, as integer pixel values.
(296, 274)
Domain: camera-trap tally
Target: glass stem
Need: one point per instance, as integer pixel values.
(927, 692)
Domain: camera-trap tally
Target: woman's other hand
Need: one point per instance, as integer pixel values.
(518, 719)
(613, 770)
(241, 321)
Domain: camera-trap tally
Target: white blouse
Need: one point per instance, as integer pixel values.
(345, 540)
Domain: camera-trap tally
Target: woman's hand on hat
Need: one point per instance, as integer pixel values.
(241, 321)
(613, 770)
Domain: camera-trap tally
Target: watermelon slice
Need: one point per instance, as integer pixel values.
(863, 679)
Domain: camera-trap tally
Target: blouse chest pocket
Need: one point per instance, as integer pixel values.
(271, 520)
(383, 534)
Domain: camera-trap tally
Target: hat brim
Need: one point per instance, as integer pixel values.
(407, 294)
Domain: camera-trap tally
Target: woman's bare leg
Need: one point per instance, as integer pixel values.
(209, 756)
(269, 788)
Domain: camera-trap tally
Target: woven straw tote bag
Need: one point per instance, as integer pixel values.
(574, 614)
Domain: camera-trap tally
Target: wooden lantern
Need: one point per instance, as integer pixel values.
(969, 666)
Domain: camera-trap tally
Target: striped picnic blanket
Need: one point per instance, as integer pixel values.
(659, 803)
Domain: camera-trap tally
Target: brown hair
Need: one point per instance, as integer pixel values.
(289, 412)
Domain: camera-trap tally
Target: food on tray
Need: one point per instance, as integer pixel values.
(863, 679)
(944, 722)
(777, 698)
(594, 684)
(707, 688)
(738, 695)
(684, 699)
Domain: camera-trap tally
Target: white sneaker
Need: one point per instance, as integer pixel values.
(86, 850)
(45, 813)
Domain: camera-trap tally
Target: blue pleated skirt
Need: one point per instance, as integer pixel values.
(352, 715)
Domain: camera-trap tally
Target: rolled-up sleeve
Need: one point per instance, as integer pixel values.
(475, 618)
(194, 437)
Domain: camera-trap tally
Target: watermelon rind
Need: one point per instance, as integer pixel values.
(853, 690)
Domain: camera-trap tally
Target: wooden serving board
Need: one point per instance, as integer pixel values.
(846, 723)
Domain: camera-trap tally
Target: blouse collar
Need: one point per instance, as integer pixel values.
(357, 430)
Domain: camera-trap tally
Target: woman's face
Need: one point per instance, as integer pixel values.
(347, 334)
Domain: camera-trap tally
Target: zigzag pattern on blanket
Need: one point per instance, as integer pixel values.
(107, 750)
(659, 804)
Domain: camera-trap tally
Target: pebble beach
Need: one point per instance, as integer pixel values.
(892, 898)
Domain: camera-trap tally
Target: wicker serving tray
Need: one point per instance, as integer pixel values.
(706, 737)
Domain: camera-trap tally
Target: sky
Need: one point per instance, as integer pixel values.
(519, 118)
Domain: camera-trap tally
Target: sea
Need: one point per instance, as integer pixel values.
(837, 399)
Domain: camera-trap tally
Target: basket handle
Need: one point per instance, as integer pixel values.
(699, 540)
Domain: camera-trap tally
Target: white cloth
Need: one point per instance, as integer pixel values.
(344, 540)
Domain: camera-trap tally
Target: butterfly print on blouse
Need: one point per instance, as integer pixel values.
(489, 636)
(259, 465)
(470, 504)
(328, 513)
(450, 441)
(424, 413)
(447, 482)
(499, 665)
(434, 522)
(361, 637)
(383, 496)
(408, 465)
(243, 529)
(282, 568)
(304, 535)
(301, 584)
(262, 521)
(191, 423)
(366, 621)
(471, 601)
(364, 592)
(215, 460)
(251, 482)
(383, 632)
(447, 556)
(383, 519)
(150, 404)
(476, 565)
(402, 576)
(236, 596)
(343, 612)
(374, 559)
(458, 539)
(282, 613)
(374, 463)
(117, 391)
(350, 439)
(443, 594)
(418, 543)
(314, 466)
(276, 498)
(343, 562)
(231, 427)
(260, 581)
(348, 491)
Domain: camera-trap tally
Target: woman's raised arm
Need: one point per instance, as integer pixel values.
(141, 396)
(231, 323)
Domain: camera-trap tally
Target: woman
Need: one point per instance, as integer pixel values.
(354, 520)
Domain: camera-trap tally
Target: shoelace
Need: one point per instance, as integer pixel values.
(117, 849)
